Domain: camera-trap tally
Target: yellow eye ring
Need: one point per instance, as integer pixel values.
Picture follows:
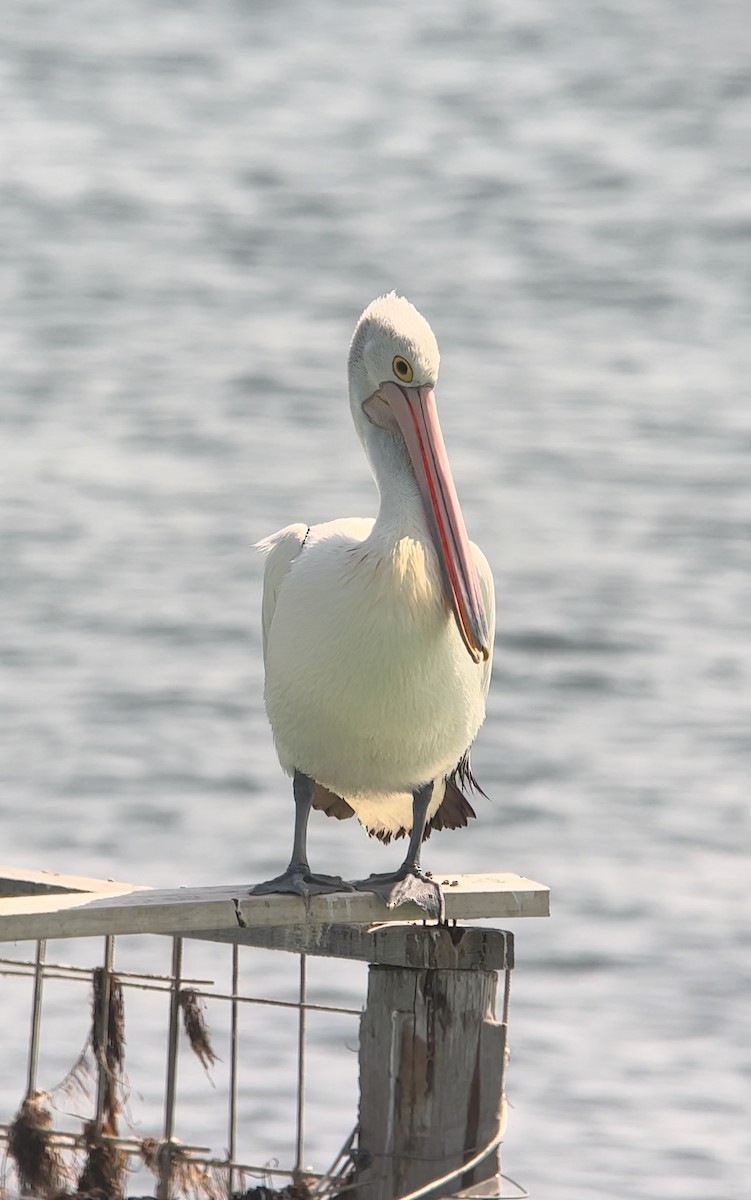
(402, 369)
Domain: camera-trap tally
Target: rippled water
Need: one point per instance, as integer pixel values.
(197, 202)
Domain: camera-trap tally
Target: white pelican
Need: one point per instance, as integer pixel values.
(378, 635)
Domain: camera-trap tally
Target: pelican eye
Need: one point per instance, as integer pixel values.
(402, 369)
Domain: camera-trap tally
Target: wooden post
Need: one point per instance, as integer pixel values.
(432, 1061)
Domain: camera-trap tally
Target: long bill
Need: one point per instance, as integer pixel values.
(414, 410)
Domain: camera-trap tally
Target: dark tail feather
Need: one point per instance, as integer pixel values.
(463, 773)
(455, 810)
(331, 804)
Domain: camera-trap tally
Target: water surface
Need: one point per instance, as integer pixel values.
(196, 203)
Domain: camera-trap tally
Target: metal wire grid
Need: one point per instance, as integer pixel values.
(169, 1150)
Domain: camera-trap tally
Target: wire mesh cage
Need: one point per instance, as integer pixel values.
(149, 1065)
(90, 1118)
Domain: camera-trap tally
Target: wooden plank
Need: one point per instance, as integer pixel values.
(127, 909)
(401, 944)
(23, 882)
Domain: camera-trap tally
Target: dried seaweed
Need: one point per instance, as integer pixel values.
(113, 1050)
(187, 1178)
(77, 1082)
(196, 1027)
(299, 1189)
(39, 1164)
(103, 1174)
(110, 1048)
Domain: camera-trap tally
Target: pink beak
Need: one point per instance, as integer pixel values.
(415, 412)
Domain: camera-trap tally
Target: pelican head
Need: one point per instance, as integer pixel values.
(393, 370)
(392, 340)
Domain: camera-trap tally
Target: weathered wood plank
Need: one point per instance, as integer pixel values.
(124, 908)
(431, 1079)
(22, 882)
(431, 947)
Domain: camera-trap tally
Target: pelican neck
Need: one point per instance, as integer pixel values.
(401, 512)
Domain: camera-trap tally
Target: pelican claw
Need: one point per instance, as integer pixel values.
(400, 887)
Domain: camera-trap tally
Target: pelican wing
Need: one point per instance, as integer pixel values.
(282, 549)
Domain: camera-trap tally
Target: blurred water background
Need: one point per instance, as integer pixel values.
(198, 199)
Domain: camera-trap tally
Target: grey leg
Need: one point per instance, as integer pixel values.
(298, 878)
(420, 801)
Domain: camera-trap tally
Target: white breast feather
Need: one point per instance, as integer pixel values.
(369, 688)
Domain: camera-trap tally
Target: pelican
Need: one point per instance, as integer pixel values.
(378, 634)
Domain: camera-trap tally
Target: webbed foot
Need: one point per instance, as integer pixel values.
(404, 887)
(301, 881)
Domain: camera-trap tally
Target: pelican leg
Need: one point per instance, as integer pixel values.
(298, 878)
(408, 883)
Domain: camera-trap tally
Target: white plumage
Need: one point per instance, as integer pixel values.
(369, 688)
(377, 657)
